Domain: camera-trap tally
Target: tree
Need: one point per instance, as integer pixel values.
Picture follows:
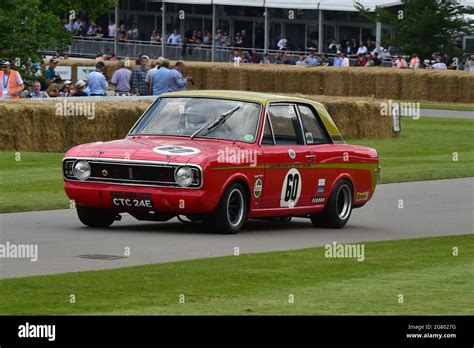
(424, 26)
(28, 27)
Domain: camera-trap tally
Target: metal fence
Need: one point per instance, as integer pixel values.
(89, 47)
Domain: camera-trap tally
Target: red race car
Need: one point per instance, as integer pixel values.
(222, 157)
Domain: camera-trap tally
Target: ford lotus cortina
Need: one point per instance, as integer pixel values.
(220, 158)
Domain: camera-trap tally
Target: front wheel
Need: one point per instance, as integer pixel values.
(95, 217)
(338, 209)
(231, 212)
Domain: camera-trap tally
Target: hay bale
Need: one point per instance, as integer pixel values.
(35, 126)
(382, 83)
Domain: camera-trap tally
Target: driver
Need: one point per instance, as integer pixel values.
(194, 118)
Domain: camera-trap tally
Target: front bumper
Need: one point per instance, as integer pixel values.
(165, 200)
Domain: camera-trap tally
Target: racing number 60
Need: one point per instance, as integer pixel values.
(292, 183)
(290, 188)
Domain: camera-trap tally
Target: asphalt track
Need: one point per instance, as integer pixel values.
(446, 113)
(430, 208)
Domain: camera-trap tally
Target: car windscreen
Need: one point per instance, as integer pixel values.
(187, 116)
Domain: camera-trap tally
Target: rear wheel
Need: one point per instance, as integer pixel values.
(95, 217)
(338, 209)
(230, 214)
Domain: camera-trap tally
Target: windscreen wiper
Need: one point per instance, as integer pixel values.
(217, 121)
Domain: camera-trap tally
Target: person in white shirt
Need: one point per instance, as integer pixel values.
(282, 44)
(362, 49)
(345, 60)
(112, 29)
(439, 65)
(175, 38)
(469, 66)
(237, 59)
(301, 61)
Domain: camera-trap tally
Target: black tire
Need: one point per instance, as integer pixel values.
(95, 217)
(338, 209)
(231, 212)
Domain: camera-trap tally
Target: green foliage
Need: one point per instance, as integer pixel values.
(424, 26)
(28, 27)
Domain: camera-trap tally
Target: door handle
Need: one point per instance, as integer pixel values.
(311, 157)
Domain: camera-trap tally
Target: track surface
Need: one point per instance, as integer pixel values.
(430, 208)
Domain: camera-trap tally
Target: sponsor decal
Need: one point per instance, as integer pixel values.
(362, 196)
(321, 184)
(249, 137)
(317, 200)
(257, 188)
(292, 153)
(176, 150)
(291, 189)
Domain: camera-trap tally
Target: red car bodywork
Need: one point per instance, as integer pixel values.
(319, 167)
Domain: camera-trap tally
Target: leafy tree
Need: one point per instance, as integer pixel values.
(424, 26)
(28, 27)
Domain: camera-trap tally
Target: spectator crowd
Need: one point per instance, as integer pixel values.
(156, 76)
(349, 52)
(147, 77)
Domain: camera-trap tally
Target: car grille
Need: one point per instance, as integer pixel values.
(130, 173)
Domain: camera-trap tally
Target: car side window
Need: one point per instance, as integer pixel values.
(313, 129)
(286, 125)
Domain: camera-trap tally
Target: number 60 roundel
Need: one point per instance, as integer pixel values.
(291, 189)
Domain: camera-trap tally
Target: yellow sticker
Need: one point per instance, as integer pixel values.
(362, 196)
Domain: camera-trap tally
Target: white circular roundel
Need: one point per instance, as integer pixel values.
(176, 150)
(291, 188)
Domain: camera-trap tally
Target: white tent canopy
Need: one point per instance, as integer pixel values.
(333, 5)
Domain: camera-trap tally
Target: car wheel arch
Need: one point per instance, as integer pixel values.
(240, 179)
(343, 176)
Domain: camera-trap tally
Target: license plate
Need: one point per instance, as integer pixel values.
(132, 202)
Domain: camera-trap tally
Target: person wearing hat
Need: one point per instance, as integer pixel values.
(161, 78)
(338, 59)
(155, 65)
(12, 83)
(51, 75)
(79, 89)
(96, 80)
(65, 91)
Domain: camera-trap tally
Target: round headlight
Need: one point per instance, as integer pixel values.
(184, 176)
(81, 170)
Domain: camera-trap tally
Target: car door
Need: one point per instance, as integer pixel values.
(320, 175)
(286, 158)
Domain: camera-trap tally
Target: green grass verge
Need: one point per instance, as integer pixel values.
(431, 280)
(423, 151)
(448, 106)
(32, 181)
